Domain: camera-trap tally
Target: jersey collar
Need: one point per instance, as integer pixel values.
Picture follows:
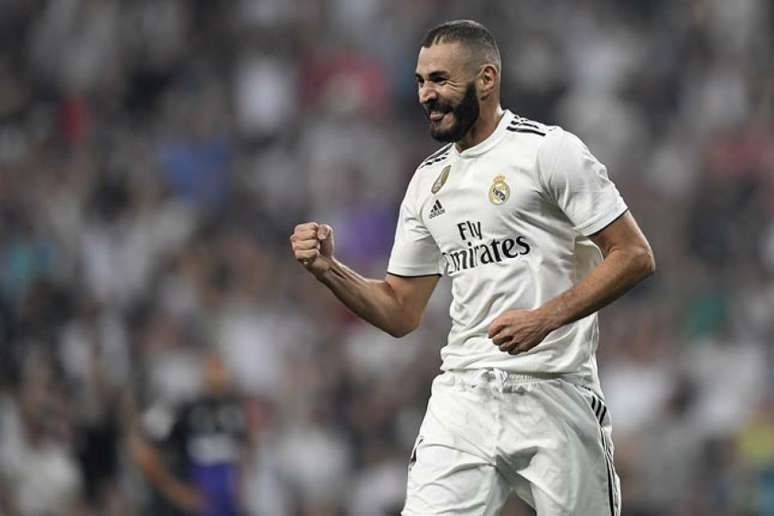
(489, 142)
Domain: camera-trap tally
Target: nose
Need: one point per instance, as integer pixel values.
(426, 93)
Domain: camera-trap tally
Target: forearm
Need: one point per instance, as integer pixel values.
(160, 477)
(617, 274)
(372, 300)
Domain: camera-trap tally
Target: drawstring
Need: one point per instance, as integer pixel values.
(481, 376)
(500, 376)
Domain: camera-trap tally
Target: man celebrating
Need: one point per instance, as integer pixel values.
(536, 239)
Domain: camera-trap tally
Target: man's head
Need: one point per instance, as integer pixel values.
(458, 74)
(215, 374)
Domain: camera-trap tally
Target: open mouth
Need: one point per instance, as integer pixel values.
(436, 116)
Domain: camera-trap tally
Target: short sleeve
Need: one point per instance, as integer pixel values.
(414, 251)
(578, 183)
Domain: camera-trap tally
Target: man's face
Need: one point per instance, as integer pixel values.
(215, 375)
(447, 91)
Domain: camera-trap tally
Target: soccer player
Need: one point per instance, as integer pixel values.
(536, 239)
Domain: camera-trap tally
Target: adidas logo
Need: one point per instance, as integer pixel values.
(437, 209)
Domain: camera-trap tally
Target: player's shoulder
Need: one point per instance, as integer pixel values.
(436, 158)
(525, 131)
(535, 138)
(424, 176)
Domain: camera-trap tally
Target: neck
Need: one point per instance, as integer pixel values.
(484, 126)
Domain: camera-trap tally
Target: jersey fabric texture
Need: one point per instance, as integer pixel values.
(508, 221)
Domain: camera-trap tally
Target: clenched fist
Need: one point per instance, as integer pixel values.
(517, 331)
(312, 245)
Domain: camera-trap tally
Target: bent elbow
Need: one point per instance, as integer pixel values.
(401, 331)
(646, 262)
(397, 332)
(403, 328)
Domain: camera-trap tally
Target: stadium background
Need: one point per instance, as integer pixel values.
(155, 156)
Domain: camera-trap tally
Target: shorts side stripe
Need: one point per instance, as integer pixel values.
(600, 411)
(599, 408)
(608, 466)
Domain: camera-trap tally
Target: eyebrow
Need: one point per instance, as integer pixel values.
(434, 76)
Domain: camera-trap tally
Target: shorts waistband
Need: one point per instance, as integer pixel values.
(498, 378)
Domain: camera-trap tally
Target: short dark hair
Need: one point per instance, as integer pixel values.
(469, 33)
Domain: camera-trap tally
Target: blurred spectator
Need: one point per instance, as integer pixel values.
(192, 455)
(38, 470)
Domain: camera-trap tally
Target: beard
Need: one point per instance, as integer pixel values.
(465, 114)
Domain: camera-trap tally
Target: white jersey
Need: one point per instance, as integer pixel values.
(508, 220)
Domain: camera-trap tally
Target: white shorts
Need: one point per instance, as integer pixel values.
(488, 433)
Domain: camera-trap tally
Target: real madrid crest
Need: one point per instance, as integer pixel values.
(441, 179)
(499, 191)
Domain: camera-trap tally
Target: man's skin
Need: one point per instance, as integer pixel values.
(395, 304)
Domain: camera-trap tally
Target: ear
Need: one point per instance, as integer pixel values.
(487, 80)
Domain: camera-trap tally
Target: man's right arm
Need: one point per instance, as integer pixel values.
(181, 494)
(394, 304)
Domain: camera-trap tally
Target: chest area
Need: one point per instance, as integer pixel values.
(211, 418)
(211, 432)
(475, 201)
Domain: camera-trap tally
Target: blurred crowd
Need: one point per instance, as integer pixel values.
(156, 155)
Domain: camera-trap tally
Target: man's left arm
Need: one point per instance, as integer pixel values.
(628, 259)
